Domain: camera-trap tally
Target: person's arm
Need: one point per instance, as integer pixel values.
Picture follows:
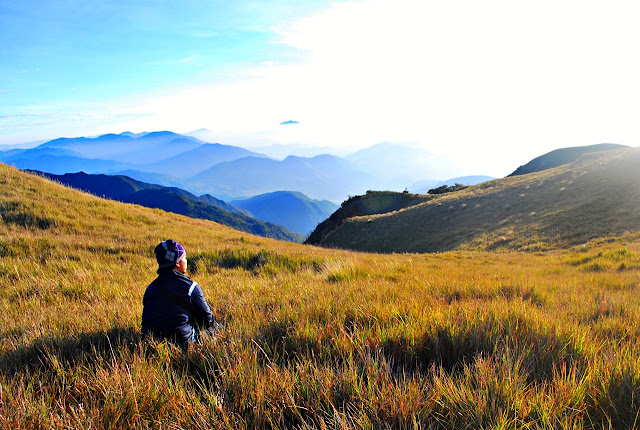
(200, 310)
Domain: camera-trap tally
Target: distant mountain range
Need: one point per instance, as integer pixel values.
(290, 209)
(396, 166)
(594, 196)
(323, 177)
(195, 160)
(159, 178)
(145, 149)
(169, 171)
(230, 172)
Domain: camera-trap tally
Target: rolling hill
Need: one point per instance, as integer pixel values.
(176, 200)
(290, 209)
(372, 203)
(595, 196)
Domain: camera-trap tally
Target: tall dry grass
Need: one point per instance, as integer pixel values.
(313, 338)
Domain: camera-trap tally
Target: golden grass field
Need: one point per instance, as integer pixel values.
(313, 338)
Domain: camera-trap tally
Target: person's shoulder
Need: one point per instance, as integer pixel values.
(156, 280)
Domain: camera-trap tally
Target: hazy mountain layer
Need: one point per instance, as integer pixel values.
(61, 164)
(290, 209)
(158, 178)
(231, 172)
(193, 161)
(396, 167)
(321, 177)
(145, 149)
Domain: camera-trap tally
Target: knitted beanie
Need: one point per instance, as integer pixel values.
(168, 253)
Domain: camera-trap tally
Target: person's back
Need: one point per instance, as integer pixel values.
(174, 306)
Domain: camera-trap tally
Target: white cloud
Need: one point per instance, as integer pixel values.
(487, 79)
(492, 83)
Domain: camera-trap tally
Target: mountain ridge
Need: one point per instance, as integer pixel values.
(200, 166)
(372, 203)
(198, 159)
(562, 156)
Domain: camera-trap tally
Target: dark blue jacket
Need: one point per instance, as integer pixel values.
(174, 308)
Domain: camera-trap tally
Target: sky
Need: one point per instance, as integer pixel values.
(489, 84)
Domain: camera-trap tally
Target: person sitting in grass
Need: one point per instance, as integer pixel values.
(174, 307)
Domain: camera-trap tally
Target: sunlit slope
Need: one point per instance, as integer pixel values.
(562, 156)
(371, 203)
(595, 196)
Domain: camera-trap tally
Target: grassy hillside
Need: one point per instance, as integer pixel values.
(313, 338)
(597, 195)
(372, 203)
